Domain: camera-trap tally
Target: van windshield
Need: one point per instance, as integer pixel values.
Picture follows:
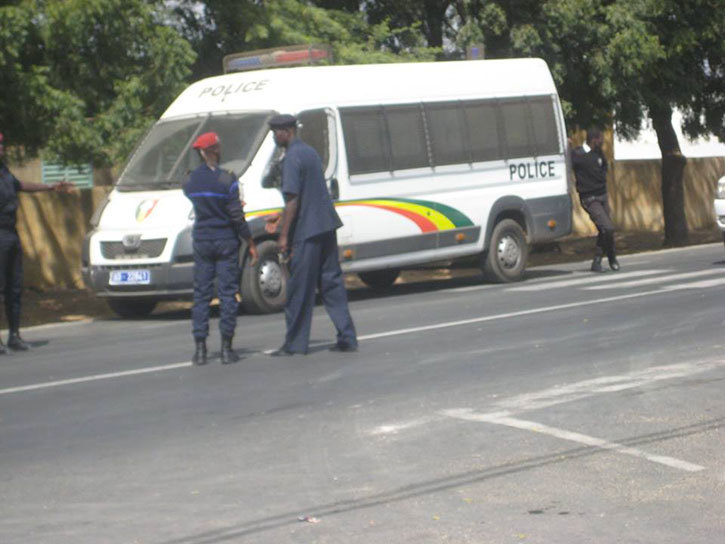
(165, 156)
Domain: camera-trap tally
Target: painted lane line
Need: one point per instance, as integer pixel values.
(704, 284)
(579, 438)
(662, 279)
(96, 377)
(588, 278)
(508, 315)
(606, 384)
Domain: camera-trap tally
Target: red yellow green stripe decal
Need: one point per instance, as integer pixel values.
(428, 216)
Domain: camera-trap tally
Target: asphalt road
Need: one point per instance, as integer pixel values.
(570, 408)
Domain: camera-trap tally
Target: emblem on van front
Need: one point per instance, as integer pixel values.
(131, 242)
(145, 208)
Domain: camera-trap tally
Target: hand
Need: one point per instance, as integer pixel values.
(63, 187)
(272, 222)
(253, 253)
(283, 247)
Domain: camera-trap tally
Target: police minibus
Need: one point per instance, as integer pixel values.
(426, 162)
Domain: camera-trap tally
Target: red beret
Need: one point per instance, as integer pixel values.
(205, 140)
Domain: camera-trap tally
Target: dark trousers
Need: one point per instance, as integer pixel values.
(315, 266)
(220, 259)
(11, 276)
(598, 209)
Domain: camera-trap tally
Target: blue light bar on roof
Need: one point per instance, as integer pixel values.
(278, 56)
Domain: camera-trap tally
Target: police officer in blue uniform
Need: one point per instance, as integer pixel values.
(11, 252)
(307, 235)
(219, 225)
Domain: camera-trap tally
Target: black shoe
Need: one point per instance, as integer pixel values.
(344, 347)
(16, 343)
(613, 263)
(282, 352)
(228, 355)
(597, 264)
(199, 357)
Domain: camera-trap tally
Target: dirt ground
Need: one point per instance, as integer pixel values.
(41, 307)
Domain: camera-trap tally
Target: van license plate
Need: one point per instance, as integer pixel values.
(130, 277)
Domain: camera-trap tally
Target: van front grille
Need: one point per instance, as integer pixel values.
(148, 249)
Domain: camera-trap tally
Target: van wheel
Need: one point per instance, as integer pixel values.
(508, 252)
(380, 279)
(264, 284)
(131, 308)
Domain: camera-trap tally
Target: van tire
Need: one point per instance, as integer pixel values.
(131, 308)
(508, 252)
(380, 279)
(264, 284)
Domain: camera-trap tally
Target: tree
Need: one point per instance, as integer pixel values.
(219, 27)
(84, 78)
(619, 61)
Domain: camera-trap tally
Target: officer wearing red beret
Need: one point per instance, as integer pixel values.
(11, 253)
(219, 225)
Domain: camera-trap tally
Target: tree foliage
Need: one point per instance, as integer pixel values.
(83, 78)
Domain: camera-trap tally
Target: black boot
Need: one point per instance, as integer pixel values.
(613, 263)
(16, 343)
(199, 357)
(597, 264)
(228, 355)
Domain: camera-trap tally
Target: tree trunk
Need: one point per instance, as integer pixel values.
(673, 170)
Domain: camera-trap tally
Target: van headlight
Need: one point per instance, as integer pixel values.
(721, 188)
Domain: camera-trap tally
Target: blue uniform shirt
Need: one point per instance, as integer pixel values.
(217, 208)
(302, 176)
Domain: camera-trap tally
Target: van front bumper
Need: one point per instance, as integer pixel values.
(168, 281)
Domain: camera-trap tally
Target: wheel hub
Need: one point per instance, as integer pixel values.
(270, 278)
(508, 252)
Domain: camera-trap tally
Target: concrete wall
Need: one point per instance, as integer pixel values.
(52, 226)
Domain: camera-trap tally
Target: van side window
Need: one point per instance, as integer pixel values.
(447, 131)
(516, 128)
(313, 131)
(366, 140)
(407, 137)
(546, 135)
(483, 132)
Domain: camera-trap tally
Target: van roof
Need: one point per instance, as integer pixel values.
(291, 90)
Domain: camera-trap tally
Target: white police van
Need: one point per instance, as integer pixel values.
(426, 162)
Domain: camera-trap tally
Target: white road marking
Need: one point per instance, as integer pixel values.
(704, 284)
(605, 384)
(508, 315)
(583, 279)
(662, 279)
(496, 419)
(96, 377)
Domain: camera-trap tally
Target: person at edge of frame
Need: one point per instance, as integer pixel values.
(590, 172)
(11, 251)
(308, 239)
(219, 224)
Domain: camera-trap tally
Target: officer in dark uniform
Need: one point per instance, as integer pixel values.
(590, 171)
(307, 235)
(11, 253)
(219, 225)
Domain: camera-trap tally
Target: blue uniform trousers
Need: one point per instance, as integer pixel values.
(11, 276)
(218, 258)
(315, 265)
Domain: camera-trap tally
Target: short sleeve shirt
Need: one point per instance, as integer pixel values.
(9, 187)
(302, 176)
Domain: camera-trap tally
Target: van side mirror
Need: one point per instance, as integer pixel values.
(334, 189)
(272, 177)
